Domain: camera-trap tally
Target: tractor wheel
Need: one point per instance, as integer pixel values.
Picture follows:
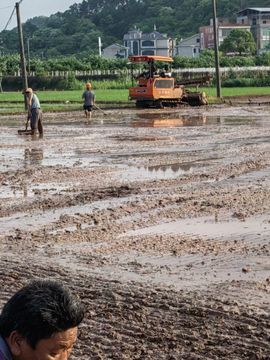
(140, 104)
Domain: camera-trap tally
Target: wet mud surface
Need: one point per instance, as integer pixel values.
(159, 220)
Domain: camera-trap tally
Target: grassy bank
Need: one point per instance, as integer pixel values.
(68, 95)
(71, 100)
(12, 102)
(239, 91)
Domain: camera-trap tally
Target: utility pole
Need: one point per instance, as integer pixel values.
(216, 48)
(23, 64)
(28, 55)
(99, 46)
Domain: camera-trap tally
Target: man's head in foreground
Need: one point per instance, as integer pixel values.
(40, 321)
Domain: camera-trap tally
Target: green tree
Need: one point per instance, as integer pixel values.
(239, 41)
(76, 30)
(263, 59)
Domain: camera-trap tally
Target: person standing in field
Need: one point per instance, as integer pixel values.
(34, 111)
(40, 322)
(89, 100)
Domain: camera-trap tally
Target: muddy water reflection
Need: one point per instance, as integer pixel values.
(25, 189)
(33, 156)
(147, 120)
(173, 120)
(171, 171)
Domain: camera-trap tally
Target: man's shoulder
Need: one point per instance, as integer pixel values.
(2, 357)
(4, 350)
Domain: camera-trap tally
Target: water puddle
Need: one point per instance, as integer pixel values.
(153, 121)
(32, 190)
(189, 271)
(248, 178)
(26, 152)
(173, 120)
(162, 172)
(70, 158)
(210, 227)
(25, 158)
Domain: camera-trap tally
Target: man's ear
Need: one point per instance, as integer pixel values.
(15, 341)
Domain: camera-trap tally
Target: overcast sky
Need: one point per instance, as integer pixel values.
(30, 9)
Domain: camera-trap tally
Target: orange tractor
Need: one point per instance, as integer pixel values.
(159, 89)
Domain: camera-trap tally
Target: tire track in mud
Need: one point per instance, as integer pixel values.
(79, 198)
(133, 322)
(245, 199)
(82, 196)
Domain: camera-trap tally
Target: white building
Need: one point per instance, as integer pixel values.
(115, 51)
(189, 47)
(153, 43)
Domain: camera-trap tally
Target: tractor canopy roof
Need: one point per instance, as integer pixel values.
(146, 58)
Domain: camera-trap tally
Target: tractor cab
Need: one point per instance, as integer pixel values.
(156, 88)
(153, 88)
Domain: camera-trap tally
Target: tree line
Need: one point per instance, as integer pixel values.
(10, 64)
(76, 30)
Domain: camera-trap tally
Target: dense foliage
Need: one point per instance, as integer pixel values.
(10, 64)
(70, 72)
(239, 41)
(77, 29)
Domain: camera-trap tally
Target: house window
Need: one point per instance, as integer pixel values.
(148, 52)
(135, 48)
(266, 33)
(265, 43)
(198, 40)
(148, 43)
(254, 21)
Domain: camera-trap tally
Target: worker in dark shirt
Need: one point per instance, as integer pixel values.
(89, 101)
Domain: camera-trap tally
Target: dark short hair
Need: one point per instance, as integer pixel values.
(39, 310)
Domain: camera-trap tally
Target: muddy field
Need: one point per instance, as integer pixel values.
(160, 220)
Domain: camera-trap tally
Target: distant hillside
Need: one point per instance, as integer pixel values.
(77, 29)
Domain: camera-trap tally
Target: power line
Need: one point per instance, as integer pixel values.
(9, 20)
(6, 7)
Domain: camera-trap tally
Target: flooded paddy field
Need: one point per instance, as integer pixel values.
(160, 220)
